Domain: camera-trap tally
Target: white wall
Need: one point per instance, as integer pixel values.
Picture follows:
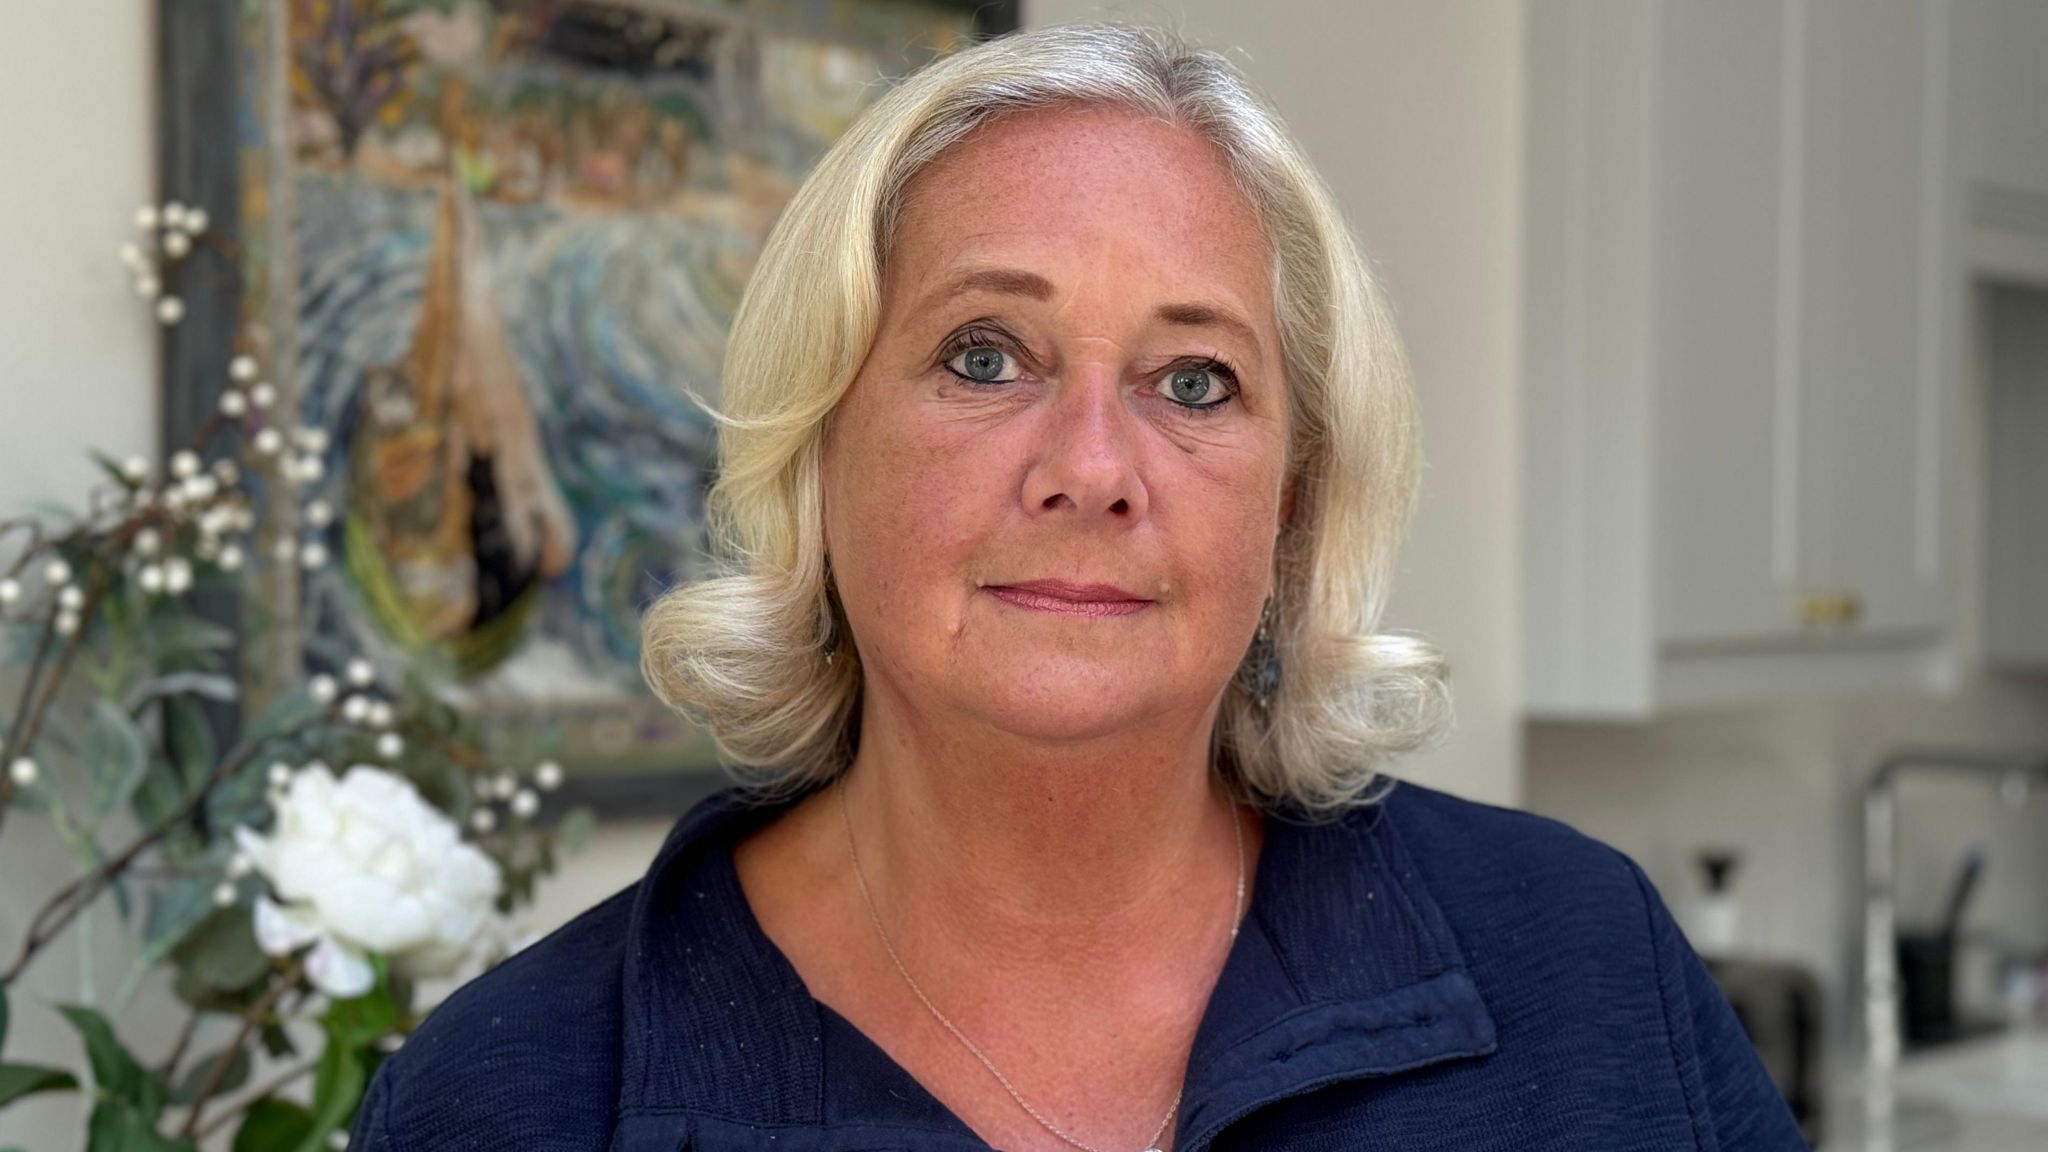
(77, 369)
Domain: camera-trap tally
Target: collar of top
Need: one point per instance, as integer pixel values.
(1344, 969)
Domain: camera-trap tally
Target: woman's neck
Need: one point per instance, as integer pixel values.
(1026, 857)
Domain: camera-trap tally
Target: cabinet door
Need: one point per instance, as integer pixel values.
(1730, 166)
(1877, 243)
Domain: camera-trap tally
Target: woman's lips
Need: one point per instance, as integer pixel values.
(1070, 599)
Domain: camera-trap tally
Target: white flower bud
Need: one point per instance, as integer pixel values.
(268, 441)
(71, 597)
(525, 803)
(263, 394)
(242, 369)
(170, 310)
(184, 464)
(174, 499)
(505, 785)
(360, 673)
(135, 468)
(230, 558)
(233, 404)
(132, 256)
(177, 244)
(174, 214)
(145, 216)
(313, 555)
(390, 745)
(10, 590)
(322, 688)
(484, 821)
(227, 472)
(57, 573)
(150, 578)
(547, 775)
(311, 438)
(319, 513)
(23, 772)
(147, 541)
(196, 220)
(66, 623)
(199, 489)
(285, 550)
(149, 287)
(177, 575)
(380, 714)
(225, 895)
(355, 709)
(279, 774)
(239, 865)
(311, 469)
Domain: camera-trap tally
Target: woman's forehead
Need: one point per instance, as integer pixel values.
(1083, 192)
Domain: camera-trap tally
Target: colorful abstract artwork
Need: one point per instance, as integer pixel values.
(502, 242)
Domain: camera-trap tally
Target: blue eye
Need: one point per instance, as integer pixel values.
(1194, 387)
(983, 365)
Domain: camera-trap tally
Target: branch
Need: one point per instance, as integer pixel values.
(291, 1073)
(250, 1020)
(74, 897)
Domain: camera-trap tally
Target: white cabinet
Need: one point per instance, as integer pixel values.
(1736, 351)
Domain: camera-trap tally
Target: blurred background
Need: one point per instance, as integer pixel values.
(1730, 326)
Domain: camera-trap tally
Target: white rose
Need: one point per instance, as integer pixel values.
(364, 864)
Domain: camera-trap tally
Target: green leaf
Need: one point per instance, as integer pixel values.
(210, 685)
(116, 1126)
(290, 711)
(363, 1020)
(159, 793)
(338, 1083)
(116, 755)
(179, 637)
(271, 1124)
(577, 824)
(112, 468)
(18, 1080)
(113, 1069)
(277, 1041)
(237, 1075)
(221, 953)
(191, 739)
(175, 911)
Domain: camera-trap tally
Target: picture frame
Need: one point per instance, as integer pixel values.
(489, 247)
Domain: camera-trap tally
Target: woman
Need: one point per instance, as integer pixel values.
(1067, 448)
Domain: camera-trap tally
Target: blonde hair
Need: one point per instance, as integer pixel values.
(745, 654)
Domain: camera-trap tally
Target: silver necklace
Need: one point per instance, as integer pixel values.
(860, 878)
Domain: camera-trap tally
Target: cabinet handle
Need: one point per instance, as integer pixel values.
(1829, 609)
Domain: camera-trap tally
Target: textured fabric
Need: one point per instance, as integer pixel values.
(1427, 973)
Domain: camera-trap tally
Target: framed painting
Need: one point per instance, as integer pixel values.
(491, 249)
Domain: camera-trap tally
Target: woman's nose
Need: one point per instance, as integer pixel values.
(1087, 452)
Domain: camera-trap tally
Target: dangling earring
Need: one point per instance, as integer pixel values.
(1261, 667)
(828, 629)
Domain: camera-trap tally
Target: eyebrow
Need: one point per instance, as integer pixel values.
(1016, 282)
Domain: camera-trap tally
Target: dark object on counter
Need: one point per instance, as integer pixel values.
(1779, 1006)
(1927, 971)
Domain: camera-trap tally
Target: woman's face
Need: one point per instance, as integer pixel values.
(1053, 490)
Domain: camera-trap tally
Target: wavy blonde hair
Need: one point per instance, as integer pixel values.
(746, 653)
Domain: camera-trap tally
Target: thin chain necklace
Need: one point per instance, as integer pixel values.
(860, 878)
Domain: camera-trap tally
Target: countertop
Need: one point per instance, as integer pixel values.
(1983, 1095)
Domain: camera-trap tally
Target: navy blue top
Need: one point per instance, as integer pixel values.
(1427, 972)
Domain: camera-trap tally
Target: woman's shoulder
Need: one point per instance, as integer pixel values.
(1472, 852)
(529, 1051)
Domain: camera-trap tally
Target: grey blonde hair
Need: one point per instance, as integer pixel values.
(744, 653)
